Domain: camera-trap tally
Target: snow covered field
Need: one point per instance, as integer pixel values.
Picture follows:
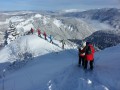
(52, 68)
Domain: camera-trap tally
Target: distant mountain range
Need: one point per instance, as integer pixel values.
(59, 27)
(106, 15)
(72, 25)
(103, 38)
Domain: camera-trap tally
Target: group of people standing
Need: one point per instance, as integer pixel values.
(44, 34)
(86, 55)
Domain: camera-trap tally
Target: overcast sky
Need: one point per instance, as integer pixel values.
(6, 5)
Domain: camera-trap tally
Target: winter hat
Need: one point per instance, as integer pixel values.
(87, 43)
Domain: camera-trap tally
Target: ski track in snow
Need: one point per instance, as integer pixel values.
(75, 78)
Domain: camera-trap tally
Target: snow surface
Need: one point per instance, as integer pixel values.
(29, 43)
(38, 16)
(54, 69)
(45, 21)
(58, 23)
(26, 25)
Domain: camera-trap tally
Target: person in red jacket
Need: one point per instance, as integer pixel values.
(39, 33)
(45, 35)
(89, 55)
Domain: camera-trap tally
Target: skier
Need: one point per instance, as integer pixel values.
(45, 35)
(81, 54)
(89, 55)
(39, 33)
(32, 30)
(51, 39)
(63, 43)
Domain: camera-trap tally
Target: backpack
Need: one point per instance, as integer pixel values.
(88, 50)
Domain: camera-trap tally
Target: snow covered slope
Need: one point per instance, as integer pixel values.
(58, 70)
(31, 44)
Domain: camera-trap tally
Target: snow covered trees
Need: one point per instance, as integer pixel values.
(11, 34)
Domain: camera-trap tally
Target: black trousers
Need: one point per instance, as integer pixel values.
(81, 60)
(90, 63)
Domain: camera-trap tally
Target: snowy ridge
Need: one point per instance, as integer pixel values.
(29, 23)
(30, 43)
